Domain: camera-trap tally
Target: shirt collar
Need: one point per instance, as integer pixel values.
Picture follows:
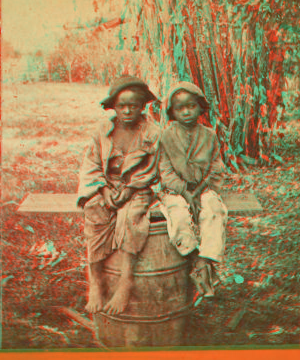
(113, 119)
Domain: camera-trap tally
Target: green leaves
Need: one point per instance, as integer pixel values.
(29, 228)
(278, 158)
(238, 279)
(5, 280)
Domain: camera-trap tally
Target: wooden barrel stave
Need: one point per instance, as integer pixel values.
(159, 303)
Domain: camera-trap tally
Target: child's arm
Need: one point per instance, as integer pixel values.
(169, 178)
(171, 181)
(91, 177)
(124, 196)
(213, 179)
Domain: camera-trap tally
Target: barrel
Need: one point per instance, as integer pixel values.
(160, 300)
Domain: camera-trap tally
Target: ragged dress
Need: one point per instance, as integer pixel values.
(105, 165)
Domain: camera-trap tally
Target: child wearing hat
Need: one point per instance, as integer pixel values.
(119, 167)
(191, 173)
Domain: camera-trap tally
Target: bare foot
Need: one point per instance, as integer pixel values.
(119, 301)
(202, 280)
(95, 299)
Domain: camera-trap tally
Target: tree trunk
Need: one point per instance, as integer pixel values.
(69, 69)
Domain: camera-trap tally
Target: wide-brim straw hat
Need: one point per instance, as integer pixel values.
(121, 84)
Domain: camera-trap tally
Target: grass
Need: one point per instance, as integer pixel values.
(45, 130)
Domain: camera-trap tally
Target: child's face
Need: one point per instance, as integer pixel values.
(185, 108)
(128, 107)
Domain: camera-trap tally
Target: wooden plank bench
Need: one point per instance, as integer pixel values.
(237, 204)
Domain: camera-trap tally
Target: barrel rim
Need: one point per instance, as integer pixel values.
(172, 315)
(156, 272)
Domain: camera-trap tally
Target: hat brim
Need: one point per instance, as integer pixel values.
(201, 101)
(190, 88)
(108, 103)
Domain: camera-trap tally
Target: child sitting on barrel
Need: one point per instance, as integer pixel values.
(191, 177)
(118, 169)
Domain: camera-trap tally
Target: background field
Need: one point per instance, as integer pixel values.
(45, 130)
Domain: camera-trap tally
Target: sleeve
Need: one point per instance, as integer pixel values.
(91, 176)
(169, 178)
(215, 176)
(146, 174)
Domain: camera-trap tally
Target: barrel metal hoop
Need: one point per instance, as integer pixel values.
(184, 311)
(158, 228)
(161, 231)
(165, 271)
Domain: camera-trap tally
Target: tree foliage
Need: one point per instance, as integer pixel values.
(95, 52)
(243, 54)
(236, 51)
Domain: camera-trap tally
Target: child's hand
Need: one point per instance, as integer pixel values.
(193, 205)
(199, 189)
(124, 196)
(108, 196)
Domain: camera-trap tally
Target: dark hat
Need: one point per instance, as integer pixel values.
(186, 86)
(121, 84)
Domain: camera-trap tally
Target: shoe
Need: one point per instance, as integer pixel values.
(202, 278)
(215, 280)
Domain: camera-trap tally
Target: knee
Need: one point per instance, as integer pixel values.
(176, 206)
(136, 213)
(222, 211)
(217, 208)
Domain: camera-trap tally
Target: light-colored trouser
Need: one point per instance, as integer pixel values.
(209, 237)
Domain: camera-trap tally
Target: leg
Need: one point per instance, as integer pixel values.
(120, 299)
(95, 291)
(201, 276)
(99, 230)
(182, 235)
(212, 219)
(179, 223)
(135, 222)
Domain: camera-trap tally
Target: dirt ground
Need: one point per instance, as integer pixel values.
(46, 128)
